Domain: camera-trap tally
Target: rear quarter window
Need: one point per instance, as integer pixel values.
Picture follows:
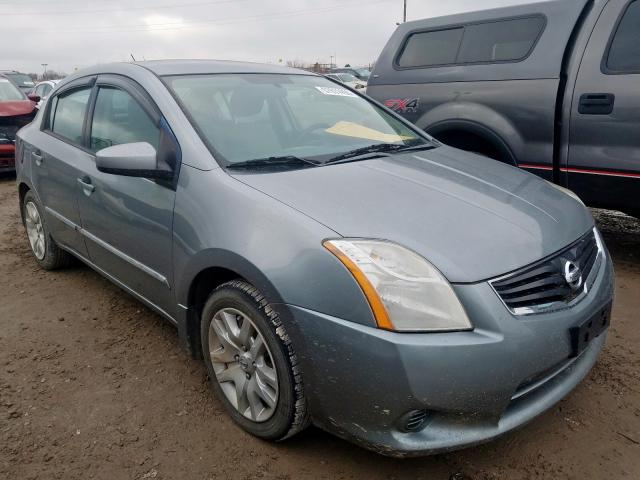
(67, 114)
(495, 41)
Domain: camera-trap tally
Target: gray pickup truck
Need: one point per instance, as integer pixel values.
(551, 87)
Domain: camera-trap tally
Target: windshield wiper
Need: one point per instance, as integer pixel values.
(268, 162)
(379, 148)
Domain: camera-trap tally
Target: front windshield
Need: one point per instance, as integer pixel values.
(246, 117)
(22, 80)
(347, 77)
(8, 91)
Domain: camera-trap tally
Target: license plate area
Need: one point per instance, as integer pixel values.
(583, 334)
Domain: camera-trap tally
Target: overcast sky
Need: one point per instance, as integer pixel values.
(70, 34)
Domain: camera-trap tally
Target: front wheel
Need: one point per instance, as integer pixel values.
(251, 362)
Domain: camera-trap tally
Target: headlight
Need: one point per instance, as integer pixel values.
(406, 293)
(567, 191)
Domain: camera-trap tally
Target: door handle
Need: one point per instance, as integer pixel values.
(596, 103)
(37, 157)
(87, 186)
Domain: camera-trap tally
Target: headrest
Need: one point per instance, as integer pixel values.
(247, 101)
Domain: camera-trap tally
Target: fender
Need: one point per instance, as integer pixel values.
(225, 259)
(187, 311)
(473, 127)
(476, 118)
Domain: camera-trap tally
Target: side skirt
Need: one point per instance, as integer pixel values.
(122, 285)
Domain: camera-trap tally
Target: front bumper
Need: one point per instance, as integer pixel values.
(7, 157)
(360, 381)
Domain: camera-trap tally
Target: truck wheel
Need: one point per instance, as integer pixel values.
(48, 255)
(251, 362)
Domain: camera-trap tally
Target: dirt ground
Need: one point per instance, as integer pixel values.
(95, 385)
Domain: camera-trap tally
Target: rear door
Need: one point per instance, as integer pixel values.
(604, 153)
(127, 221)
(57, 162)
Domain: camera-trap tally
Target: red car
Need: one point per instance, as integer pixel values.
(16, 111)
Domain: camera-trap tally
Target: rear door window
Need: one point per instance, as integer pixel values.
(67, 114)
(488, 42)
(624, 52)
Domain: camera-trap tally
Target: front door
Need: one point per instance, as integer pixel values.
(127, 221)
(604, 153)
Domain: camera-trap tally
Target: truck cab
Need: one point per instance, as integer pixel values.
(550, 87)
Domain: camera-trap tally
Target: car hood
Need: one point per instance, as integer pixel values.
(16, 107)
(472, 217)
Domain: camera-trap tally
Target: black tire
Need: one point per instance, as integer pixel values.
(54, 257)
(290, 413)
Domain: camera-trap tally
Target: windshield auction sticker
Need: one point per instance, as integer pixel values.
(336, 91)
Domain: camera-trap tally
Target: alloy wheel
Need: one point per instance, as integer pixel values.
(35, 230)
(243, 364)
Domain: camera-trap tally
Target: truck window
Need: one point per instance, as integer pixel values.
(507, 40)
(431, 48)
(624, 51)
(493, 41)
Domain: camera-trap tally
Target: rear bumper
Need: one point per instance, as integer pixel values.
(7, 158)
(360, 381)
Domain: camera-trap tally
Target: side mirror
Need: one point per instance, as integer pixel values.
(33, 97)
(132, 160)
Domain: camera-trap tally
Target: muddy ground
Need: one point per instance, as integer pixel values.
(94, 385)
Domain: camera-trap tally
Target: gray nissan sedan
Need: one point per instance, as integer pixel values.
(330, 262)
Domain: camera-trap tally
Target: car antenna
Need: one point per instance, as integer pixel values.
(134, 58)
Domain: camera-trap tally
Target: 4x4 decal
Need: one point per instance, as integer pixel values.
(403, 105)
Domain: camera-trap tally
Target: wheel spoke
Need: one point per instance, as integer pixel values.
(231, 324)
(241, 394)
(244, 334)
(258, 347)
(231, 374)
(219, 329)
(223, 355)
(267, 375)
(266, 393)
(255, 404)
(31, 212)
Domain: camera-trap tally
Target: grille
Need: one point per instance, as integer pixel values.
(414, 420)
(543, 285)
(8, 133)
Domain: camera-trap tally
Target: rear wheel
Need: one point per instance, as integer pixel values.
(251, 362)
(48, 255)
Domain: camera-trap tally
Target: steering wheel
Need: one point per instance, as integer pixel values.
(309, 130)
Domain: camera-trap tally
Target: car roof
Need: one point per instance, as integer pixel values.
(185, 67)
